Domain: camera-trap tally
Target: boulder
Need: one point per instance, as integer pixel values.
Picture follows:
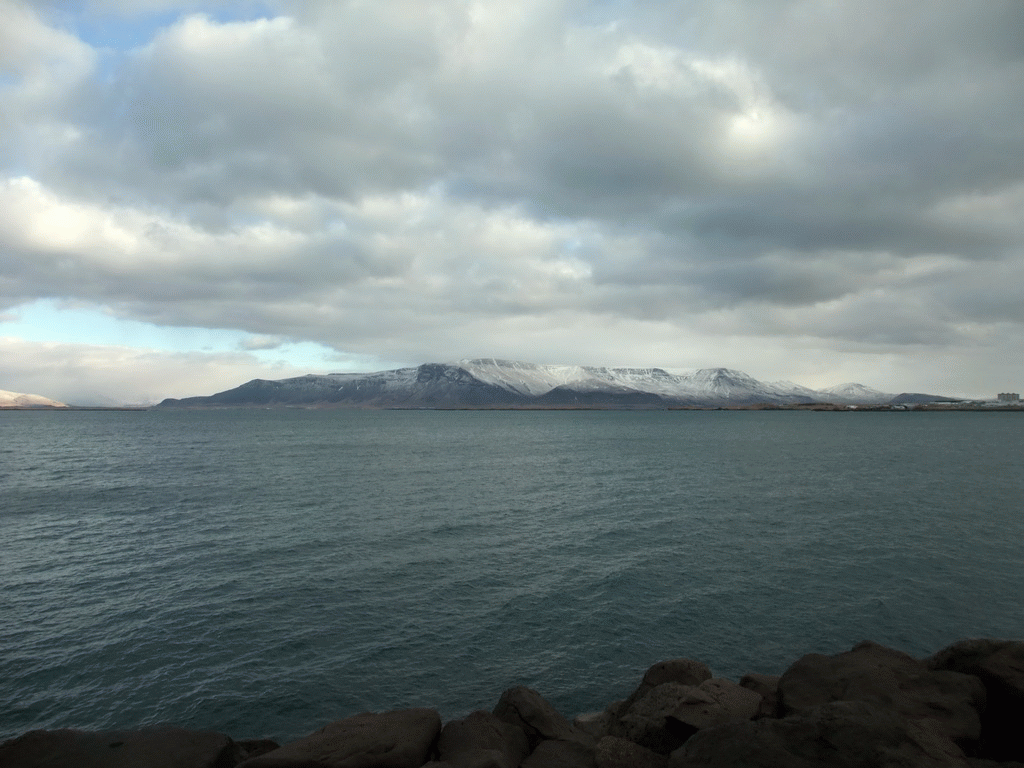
(843, 734)
(670, 713)
(556, 753)
(527, 709)
(644, 721)
(682, 671)
(713, 702)
(999, 664)
(685, 671)
(767, 687)
(613, 752)
(869, 672)
(154, 747)
(482, 740)
(399, 739)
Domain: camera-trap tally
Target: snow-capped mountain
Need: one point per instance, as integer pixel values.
(856, 393)
(494, 383)
(22, 400)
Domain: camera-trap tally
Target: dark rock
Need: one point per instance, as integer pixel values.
(1000, 666)
(613, 752)
(540, 721)
(682, 671)
(872, 673)
(482, 740)
(685, 671)
(767, 687)
(256, 747)
(400, 739)
(556, 753)
(843, 734)
(644, 720)
(595, 724)
(670, 713)
(155, 747)
(714, 702)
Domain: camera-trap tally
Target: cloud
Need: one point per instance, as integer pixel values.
(86, 374)
(624, 182)
(254, 343)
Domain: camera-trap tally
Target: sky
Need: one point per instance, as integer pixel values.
(194, 194)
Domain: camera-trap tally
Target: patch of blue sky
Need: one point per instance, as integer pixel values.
(120, 33)
(113, 33)
(124, 29)
(51, 321)
(316, 358)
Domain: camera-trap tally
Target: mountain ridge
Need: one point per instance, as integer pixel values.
(498, 383)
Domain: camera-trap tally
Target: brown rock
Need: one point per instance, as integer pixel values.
(872, 673)
(555, 753)
(844, 734)
(613, 752)
(155, 747)
(482, 740)
(399, 739)
(999, 664)
(526, 708)
(767, 687)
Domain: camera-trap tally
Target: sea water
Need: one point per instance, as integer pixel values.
(264, 572)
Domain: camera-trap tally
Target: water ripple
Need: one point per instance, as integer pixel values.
(263, 572)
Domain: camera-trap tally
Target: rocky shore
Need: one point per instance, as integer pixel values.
(871, 706)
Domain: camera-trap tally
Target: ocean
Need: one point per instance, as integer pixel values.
(264, 572)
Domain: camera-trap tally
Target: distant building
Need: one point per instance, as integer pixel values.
(1008, 397)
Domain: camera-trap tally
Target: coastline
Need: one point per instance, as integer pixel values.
(869, 706)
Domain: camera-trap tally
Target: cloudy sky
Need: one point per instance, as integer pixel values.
(194, 194)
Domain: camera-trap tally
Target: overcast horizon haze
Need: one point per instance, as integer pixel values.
(197, 193)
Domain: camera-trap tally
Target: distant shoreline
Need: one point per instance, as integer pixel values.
(931, 408)
(52, 409)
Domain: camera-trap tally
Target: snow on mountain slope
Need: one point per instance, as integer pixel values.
(534, 379)
(728, 385)
(524, 378)
(856, 393)
(718, 384)
(797, 390)
(22, 400)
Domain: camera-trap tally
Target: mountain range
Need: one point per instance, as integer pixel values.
(494, 383)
